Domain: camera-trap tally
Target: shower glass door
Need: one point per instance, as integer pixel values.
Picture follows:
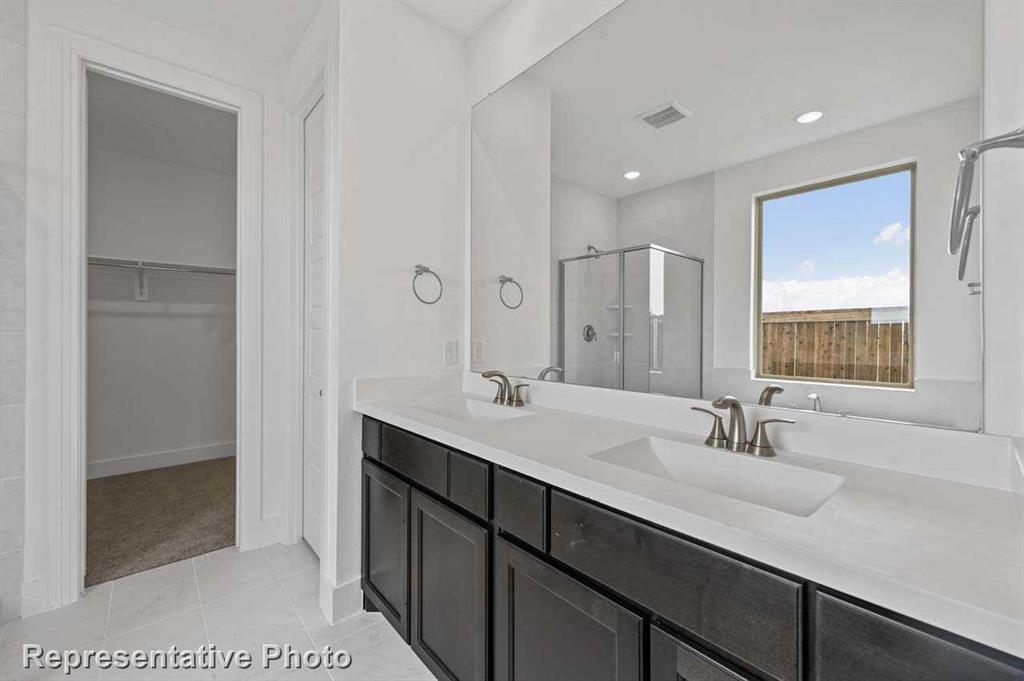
(590, 321)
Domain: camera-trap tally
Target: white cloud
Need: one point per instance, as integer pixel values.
(893, 233)
(807, 266)
(887, 290)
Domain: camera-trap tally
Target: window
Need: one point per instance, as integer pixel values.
(834, 266)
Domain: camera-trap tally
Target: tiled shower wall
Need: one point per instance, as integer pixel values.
(12, 303)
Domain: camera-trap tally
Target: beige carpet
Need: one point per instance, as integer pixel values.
(139, 521)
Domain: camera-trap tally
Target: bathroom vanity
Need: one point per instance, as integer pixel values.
(512, 556)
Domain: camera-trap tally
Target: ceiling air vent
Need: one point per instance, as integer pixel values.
(663, 115)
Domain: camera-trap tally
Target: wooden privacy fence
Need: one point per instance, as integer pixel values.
(836, 345)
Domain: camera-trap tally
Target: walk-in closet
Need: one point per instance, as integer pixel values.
(161, 328)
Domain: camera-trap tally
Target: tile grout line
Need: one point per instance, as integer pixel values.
(202, 608)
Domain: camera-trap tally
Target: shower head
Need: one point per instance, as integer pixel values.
(965, 179)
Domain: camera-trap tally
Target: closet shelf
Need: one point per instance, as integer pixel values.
(162, 266)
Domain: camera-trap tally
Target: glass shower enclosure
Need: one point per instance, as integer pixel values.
(632, 319)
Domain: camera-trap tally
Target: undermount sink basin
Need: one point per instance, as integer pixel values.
(765, 482)
(473, 411)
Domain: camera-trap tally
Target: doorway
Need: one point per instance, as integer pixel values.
(161, 414)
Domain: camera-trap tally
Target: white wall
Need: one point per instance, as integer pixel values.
(184, 50)
(511, 209)
(680, 216)
(161, 373)
(12, 303)
(947, 340)
(402, 133)
(523, 33)
(155, 210)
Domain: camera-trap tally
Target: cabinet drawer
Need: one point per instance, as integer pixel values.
(371, 438)
(752, 615)
(519, 508)
(420, 460)
(469, 484)
(855, 644)
(673, 659)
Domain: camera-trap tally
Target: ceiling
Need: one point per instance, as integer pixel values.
(745, 69)
(268, 30)
(132, 119)
(462, 17)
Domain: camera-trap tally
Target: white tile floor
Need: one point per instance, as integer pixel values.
(227, 598)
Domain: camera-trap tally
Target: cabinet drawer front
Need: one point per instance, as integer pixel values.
(371, 438)
(449, 573)
(385, 559)
(519, 508)
(854, 644)
(469, 483)
(673, 659)
(416, 458)
(549, 627)
(752, 615)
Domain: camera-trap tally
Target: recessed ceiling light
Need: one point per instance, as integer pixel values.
(809, 117)
(631, 174)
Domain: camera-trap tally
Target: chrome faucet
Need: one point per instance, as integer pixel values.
(815, 399)
(736, 440)
(507, 395)
(765, 400)
(546, 371)
(504, 385)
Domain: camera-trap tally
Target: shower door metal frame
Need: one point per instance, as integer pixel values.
(620, 253)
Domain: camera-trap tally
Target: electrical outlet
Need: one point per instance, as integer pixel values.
(478, 352)
(451, 352)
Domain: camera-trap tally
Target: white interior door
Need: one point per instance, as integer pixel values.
(313, 327)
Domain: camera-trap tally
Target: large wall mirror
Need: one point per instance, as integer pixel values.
(749, 197)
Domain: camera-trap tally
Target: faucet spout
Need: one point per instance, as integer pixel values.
(736, 440)
(504, 396)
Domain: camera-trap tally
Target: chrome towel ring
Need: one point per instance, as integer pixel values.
(420, 270)
(503, 280)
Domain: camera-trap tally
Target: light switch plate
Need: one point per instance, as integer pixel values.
(478, 351)
(451, 352)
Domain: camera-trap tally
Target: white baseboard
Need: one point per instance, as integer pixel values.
(339, 602)
(145, 462)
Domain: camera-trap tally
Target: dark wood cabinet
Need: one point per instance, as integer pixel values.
(673, 659)
(548, 626)
(449, 574)
(385, 579)
(752, 615)
(422, 461)
(854, 644)
(488, 573)
(520, 508)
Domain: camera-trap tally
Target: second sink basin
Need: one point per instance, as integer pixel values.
(769, 483)
(471, 411)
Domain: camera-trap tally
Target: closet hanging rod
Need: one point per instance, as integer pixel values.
(162, 266)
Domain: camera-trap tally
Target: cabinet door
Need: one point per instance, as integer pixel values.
(549, 626)
(449, 591)
(855, 644)
(386, 545)
(673, 659)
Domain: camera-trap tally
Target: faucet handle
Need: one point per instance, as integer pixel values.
(516, 398)
(716, 438)
(759, 444)
(499, 398)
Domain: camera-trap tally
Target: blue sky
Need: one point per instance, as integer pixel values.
(844, 246)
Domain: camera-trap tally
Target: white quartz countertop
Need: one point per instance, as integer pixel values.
(945, 553)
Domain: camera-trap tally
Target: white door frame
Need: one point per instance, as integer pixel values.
(56, 305)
